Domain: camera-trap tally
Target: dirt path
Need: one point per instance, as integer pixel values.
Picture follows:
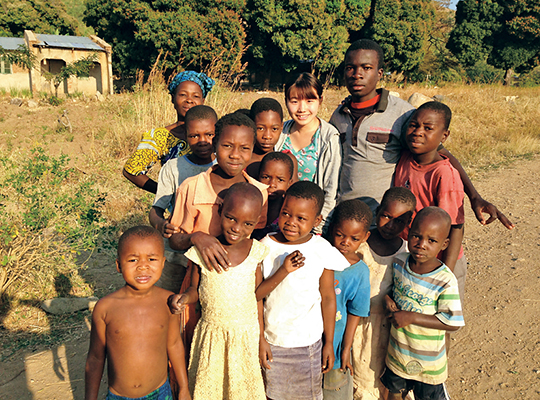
(496, 356)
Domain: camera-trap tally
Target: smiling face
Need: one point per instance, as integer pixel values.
(297, 218)
(348, 235)
(426, 131)
(393, 218)
(303, 110)
(427, 238)
(362, 73)
(200, 133)
(239, 216)
(269, 126)
(234, 148)
(141, 261)
(188, 94)
(277, 175)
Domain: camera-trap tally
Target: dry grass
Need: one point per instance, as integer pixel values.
(486, 131)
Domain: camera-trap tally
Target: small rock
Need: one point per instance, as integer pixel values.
(439, 98)
(417, 99)
(68, 305)
(32, 104)
(395, 94)
(99, 97)
(16, 101)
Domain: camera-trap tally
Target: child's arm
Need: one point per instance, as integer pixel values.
(157, 220)
(291, 263)
(478, 204)
(348, 336)
(265, 354)
(328, 306)
(401, 319)
(176, 353)
(95, 361)
(451, 254)
(212, 252)
(177, 302)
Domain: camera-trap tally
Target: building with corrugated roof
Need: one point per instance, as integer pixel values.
(52, 52)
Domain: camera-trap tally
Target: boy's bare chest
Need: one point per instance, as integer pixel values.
(142, 321)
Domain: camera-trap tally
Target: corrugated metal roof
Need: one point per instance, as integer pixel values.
(11, 43)
(68, 42)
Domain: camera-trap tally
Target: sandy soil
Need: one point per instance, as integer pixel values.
(496, 356)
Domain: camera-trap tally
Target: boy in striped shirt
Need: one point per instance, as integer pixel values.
(424, 306)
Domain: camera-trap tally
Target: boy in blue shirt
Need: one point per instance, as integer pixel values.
(348, 230)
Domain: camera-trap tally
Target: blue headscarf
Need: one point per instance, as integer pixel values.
(206, 83)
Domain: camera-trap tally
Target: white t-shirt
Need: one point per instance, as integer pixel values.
(292, 311)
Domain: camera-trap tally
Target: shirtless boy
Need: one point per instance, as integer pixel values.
(133, 329)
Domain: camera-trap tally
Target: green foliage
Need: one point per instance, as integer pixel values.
(531, 79)
(42, 16)
(185, 34)
(23, 57)
(77, 68)
(505, 33)
(285, 33)
(402, 28)
(49, 214)
(482, 72)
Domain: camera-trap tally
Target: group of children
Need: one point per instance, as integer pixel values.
(295, 315)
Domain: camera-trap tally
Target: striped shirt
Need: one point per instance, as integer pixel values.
(416, 352)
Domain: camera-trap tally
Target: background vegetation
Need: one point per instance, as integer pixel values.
(423, 40)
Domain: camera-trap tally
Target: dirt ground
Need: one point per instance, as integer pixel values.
(496, 355)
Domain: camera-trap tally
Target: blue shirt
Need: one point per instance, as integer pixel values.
(352, 297)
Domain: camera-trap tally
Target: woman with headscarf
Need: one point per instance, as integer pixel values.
(187, 89)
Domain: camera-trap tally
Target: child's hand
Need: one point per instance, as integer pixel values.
(293, 261)
(481, 206)
(391, 305)
(346, 361)
(328, 357)
(177, 303)
(401, 319)
(265, 354)
(169, 229)
(213, 254)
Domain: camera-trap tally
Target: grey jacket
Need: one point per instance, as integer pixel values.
(328, 165)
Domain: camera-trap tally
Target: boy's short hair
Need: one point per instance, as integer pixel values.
(353, 209)
(305, 84)
(236, 119)
(368, 44)
(265, 104)
(200, 112)
(439, 108)
(309, 191)
(142, 231)
(278, 156)
(435, 211)
(400, 194)
(245, 190)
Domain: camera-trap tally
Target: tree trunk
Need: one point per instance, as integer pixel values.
(508, 77)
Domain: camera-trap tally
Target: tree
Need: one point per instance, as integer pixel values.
(505, 33)
(285, 33)
(77, 68)
(23, 57)
(141, 30)
(42, 16)
(402, 28)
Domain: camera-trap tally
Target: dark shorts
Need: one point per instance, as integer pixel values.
(162, 393)
(422, 391)
(295, 373)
